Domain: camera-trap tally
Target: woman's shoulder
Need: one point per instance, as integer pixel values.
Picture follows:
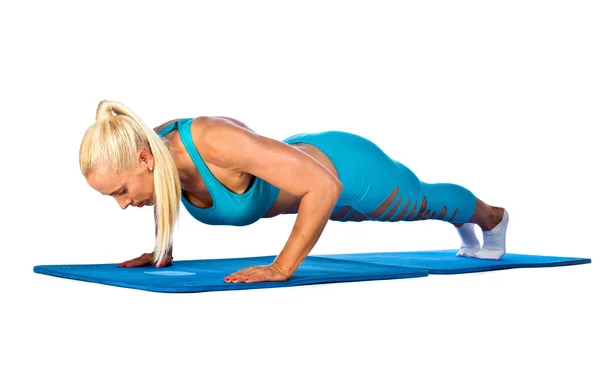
(206, 131)
(215, 136)
(204, 121)
(211, 121)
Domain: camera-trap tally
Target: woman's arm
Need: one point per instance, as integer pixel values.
(227, 145)
(168, 259)
(148, 258)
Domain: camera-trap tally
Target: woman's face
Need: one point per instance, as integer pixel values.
(133, 187)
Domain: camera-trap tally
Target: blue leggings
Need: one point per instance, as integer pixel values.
(377, 187)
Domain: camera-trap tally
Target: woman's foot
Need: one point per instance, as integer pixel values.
(469, 242)
(494, 241)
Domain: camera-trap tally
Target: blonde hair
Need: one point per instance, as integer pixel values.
(114, 141)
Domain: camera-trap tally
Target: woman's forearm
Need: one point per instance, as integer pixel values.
(170, 250)
(313, 213)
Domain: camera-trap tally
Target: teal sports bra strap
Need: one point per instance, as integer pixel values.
(185, 133)
(167, 129)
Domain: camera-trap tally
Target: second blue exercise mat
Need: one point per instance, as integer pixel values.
(208, 275)
(446, 262)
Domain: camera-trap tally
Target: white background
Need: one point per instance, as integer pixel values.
(501, 97)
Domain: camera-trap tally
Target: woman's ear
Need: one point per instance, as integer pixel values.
(146, 158)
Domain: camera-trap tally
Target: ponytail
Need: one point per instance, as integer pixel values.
(115, 140)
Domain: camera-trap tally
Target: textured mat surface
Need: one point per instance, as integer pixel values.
(207, 275)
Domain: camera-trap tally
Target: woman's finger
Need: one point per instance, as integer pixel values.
(142, 260)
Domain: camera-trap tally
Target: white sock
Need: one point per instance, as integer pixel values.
(494, 241)
(470, 243)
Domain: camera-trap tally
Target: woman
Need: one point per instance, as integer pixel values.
(225, 174)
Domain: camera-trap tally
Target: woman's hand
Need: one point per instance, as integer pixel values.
(258, 274)
(147, 259)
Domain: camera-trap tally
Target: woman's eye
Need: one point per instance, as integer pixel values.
(122, 192)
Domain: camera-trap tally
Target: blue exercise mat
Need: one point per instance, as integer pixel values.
(207, 275)
(446, 262)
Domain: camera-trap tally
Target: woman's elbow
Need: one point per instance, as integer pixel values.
(334, 189)
(326, 193)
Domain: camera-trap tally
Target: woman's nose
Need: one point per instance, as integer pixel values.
(124, 203)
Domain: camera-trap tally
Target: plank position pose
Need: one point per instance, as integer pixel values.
(225, 174)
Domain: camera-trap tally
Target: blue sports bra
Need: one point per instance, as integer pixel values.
(228, 208)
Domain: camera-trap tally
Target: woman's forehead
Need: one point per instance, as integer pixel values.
(107, 181)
